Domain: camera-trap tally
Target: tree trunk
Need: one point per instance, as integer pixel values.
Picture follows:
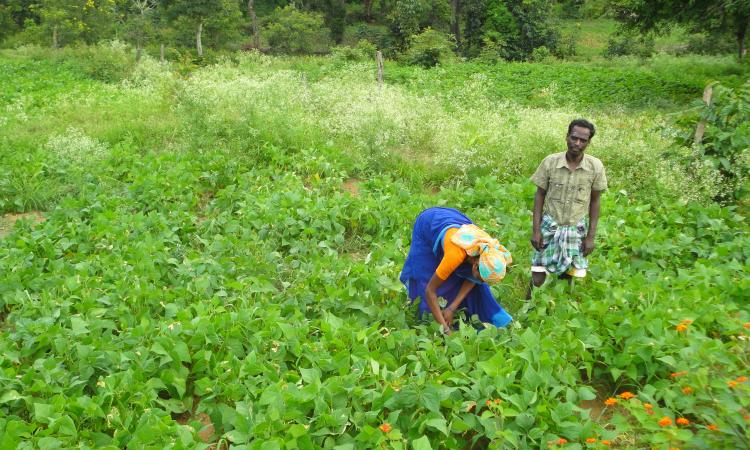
(368, 11)
(742, 24)
(253, 24)
(138, 49)
(198, 45)
(54, 37)
(161, 53)
(379, 59)
(456, 25)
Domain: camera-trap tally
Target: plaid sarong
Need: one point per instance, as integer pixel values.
(563, 247)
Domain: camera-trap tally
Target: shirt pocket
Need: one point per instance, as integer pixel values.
(557, 185)
(583, 189)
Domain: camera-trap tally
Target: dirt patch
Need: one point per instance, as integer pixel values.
(207, 430)
(351, 186)
(8, 220)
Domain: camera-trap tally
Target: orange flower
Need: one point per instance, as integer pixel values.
(626, 395)
(687, 390)
(742, 379)
(497, 401)
(681, 328)
(678, 374)
(665, 421)
(606, 442)
(610, 401)
(746, 416)
(386, 427)
(562, 441)
(731, 383)
(650, 412)
(488, 403)
(746, 325)
(648, 405)
(683, 421)
(712, 427)
(674, 448)
(591, 440)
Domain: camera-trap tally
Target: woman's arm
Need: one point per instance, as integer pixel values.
(432, 301)
(466, 287)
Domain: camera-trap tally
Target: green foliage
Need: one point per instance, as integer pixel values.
(409, 17)
(626, 43)
(725, 146)
(430, 48)
(704, 16)
(295, 32)
(363, 51)
(221, 22)
(511, 29)
(220, 264)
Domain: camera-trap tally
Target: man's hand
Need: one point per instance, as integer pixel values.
(446, 330)
(588, 245)
(448, 316)
(536, 240)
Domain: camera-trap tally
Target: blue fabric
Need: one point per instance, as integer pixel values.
(424, 257)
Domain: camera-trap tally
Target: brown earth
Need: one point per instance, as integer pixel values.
(8, 220)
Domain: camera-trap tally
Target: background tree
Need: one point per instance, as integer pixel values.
(221, 19)
(138, 23)
(513, 29)
(293, 31)
(711, 16)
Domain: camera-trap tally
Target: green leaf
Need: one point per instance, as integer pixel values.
(439, 424)
(421, 444)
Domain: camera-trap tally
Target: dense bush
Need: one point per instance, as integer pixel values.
(363, 51)
(429, 48)
(511, 29)
(724, 149)
(626, 43)
(296, 32)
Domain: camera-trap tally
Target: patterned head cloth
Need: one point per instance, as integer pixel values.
(493, 256)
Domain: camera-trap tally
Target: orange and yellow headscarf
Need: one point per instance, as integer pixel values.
(493, 256)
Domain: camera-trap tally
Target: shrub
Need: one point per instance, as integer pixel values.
(377, 35)
(541, 54)
(725, 145)
(429, 48)
(625, 43)
(363, 51)
(296, 32)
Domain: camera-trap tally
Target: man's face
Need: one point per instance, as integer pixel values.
(578, 139)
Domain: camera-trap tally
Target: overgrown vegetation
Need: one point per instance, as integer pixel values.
(219, 257)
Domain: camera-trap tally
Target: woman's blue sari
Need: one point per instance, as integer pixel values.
(424, 257)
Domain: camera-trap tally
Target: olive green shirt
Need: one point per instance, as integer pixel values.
(569, 192)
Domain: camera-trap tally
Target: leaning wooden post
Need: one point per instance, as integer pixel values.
(161, 53)
(379, 59)
(700, 130)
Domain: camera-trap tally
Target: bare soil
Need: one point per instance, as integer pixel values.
(7, 221)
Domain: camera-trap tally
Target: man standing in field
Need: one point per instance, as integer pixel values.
(569, 186)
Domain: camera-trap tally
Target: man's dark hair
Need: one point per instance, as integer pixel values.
(583, 123)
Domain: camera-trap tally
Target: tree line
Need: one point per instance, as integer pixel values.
(502, 29)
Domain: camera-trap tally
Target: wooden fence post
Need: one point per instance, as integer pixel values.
(701, 128)
(379, 59)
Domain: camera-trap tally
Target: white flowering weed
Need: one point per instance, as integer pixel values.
(75, 148)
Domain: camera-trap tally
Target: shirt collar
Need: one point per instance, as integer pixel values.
(586, 164)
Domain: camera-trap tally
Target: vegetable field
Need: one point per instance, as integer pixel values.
(209, 258)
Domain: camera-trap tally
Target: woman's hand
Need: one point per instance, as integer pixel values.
(448, 315)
